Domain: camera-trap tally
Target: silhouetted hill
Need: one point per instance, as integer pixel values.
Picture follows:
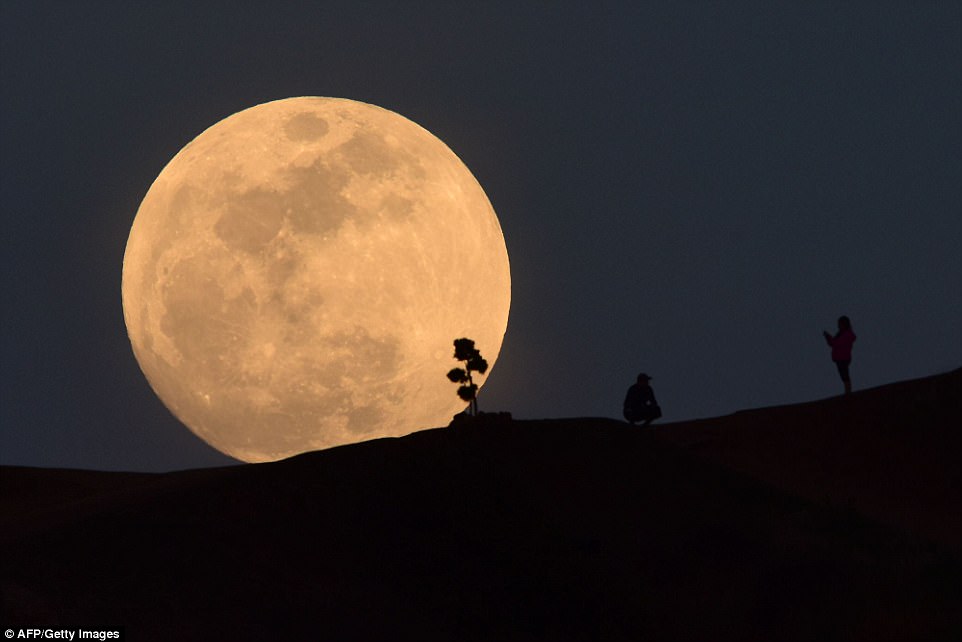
(578, 529)
(890, 453)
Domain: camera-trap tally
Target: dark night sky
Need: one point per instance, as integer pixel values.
(693, 189)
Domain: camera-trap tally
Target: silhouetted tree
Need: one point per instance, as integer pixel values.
(465, 351)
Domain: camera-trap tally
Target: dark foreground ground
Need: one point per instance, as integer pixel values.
(835, 520)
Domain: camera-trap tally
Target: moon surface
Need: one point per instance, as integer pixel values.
(296, 276)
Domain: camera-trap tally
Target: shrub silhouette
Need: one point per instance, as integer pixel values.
(465, 351)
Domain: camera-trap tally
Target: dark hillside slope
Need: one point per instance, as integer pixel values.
(580, 529)
(891, 453)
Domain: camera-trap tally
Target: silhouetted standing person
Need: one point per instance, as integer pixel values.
(842, 349)
(640, 404)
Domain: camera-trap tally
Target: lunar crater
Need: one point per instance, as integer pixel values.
(306, 126)
(368, 154)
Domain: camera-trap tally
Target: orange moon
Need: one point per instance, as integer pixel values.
(296, 275)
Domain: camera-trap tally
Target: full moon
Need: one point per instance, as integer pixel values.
(296, 276)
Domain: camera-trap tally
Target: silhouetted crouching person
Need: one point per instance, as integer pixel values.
(842, 349)
(640, 404)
